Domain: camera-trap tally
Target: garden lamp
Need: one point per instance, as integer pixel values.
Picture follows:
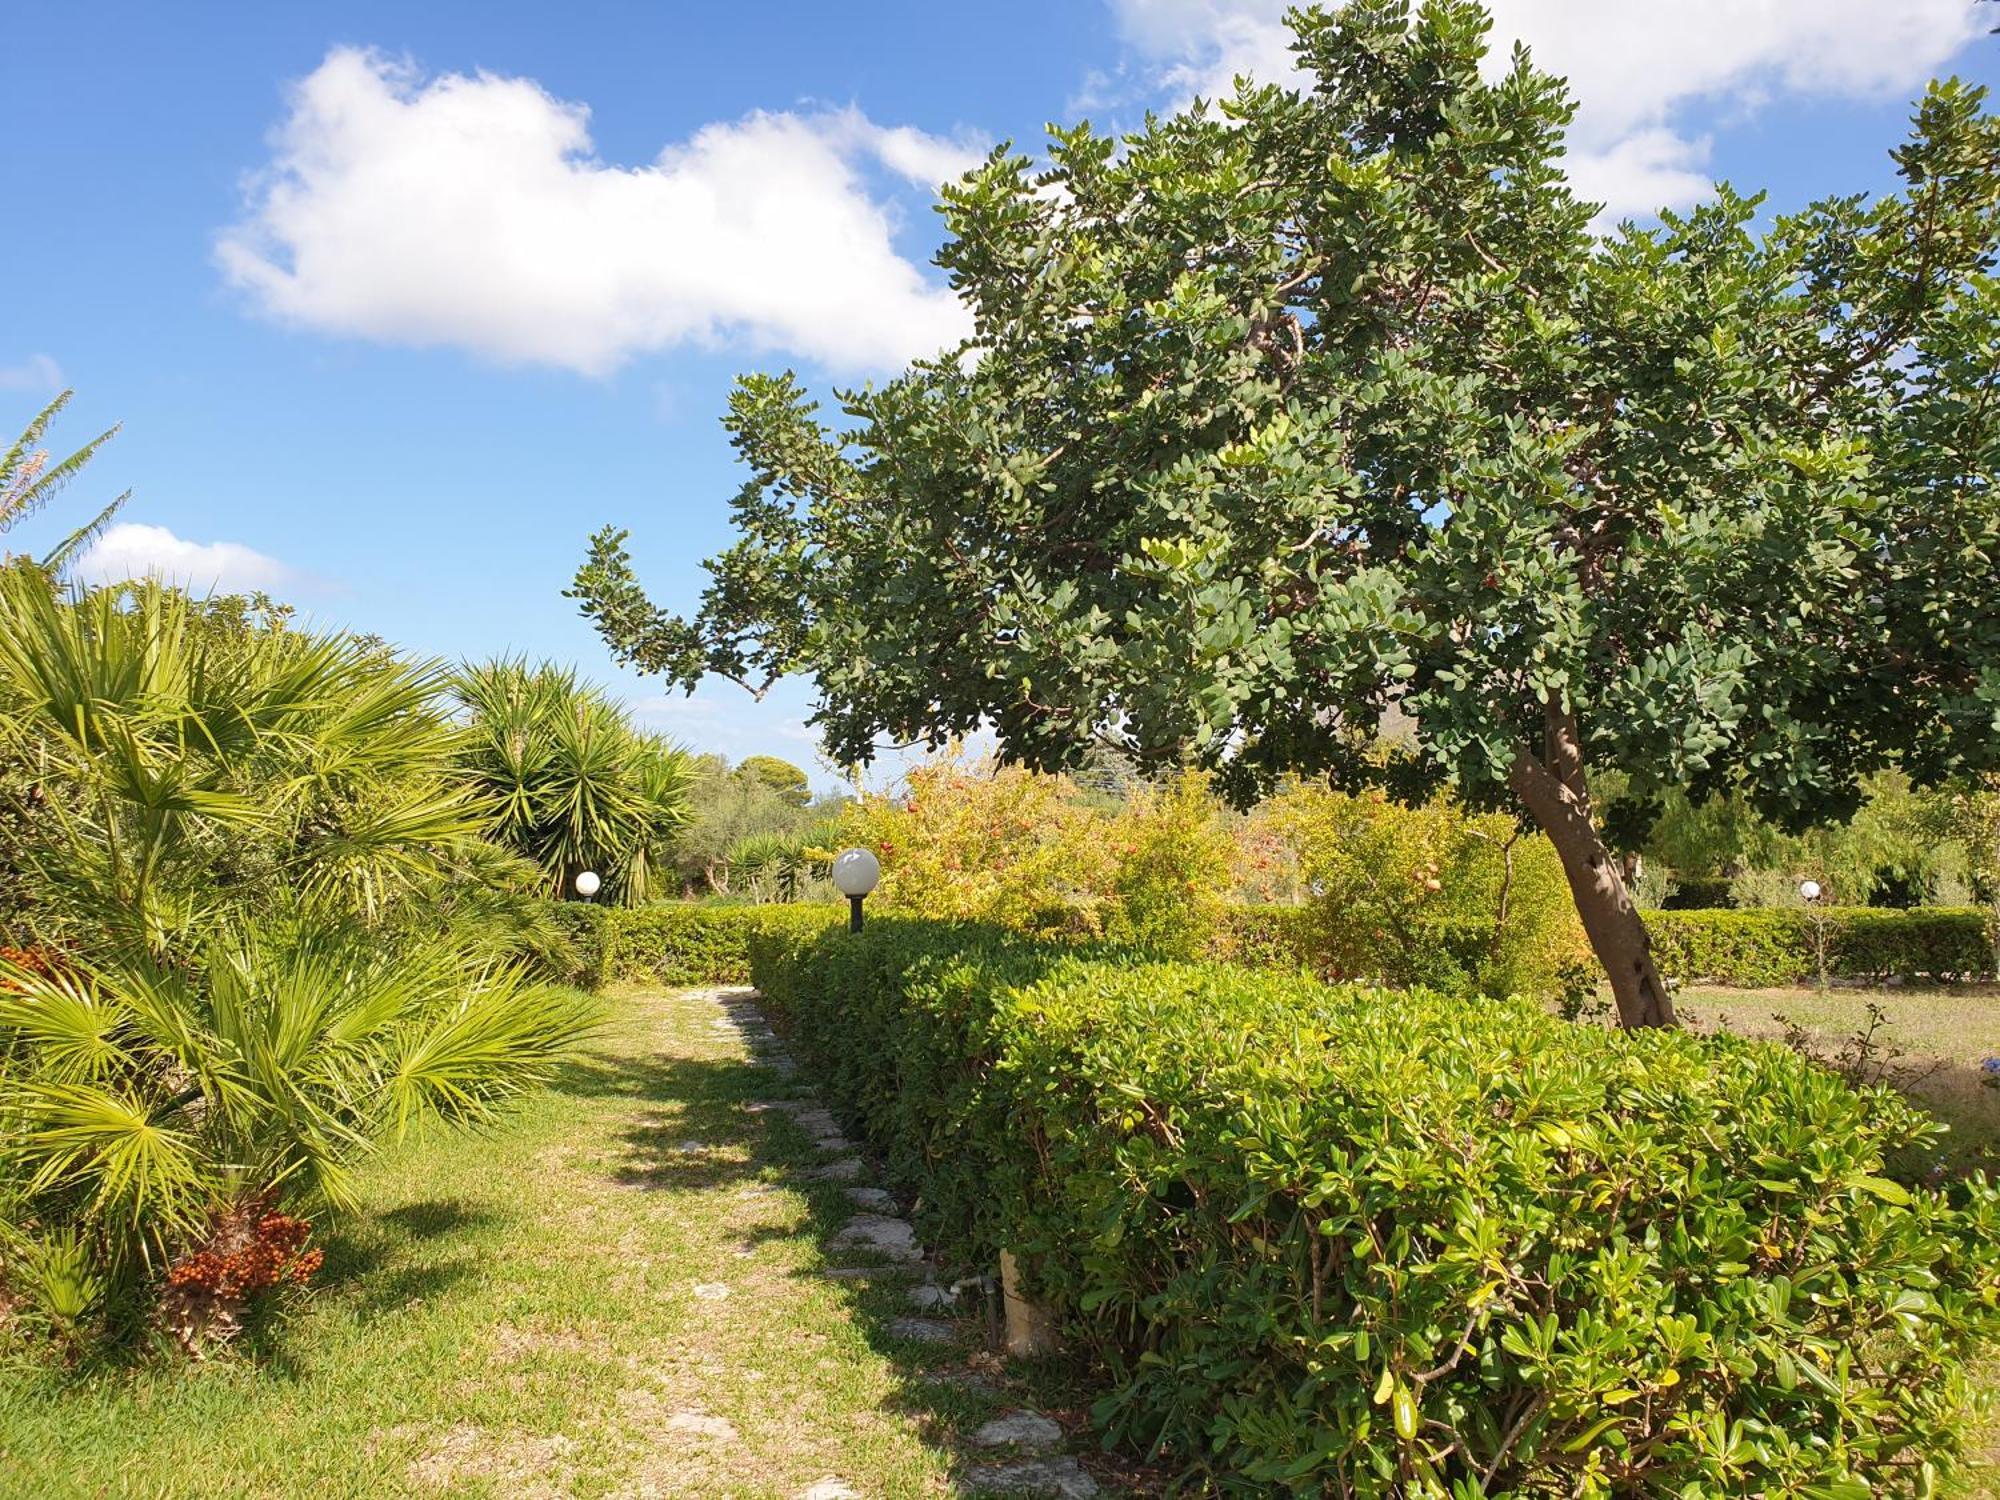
(1809, 889)
(855, 872)
(587, 884)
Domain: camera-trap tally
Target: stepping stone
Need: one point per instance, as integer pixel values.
(1061, 1478)
(711, 1291)
(932, 1296)
(833, 1143)
(880, 1233)
(922, 1330)
(701, 1424)
(847, 1169)
(875, 1199)
(830, 1489)
(816, 1122)
(1019, 1429)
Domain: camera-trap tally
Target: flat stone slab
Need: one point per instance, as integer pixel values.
(1060, 1478)
(922, 1330)
(877, 1200)
(833, 1143)
(830, 1489)
(816, 1122)
(710, 1291)
(847, 1169)
(880, 1233)
(1019, 1429)
(930, 1295)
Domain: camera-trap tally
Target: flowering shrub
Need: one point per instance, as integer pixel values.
(1172, 877)
(1429, 895)
(991, 844)
(250, 1249)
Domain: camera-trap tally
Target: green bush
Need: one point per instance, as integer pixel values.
(1777, 946)
(1343, 1240)
(681, 943)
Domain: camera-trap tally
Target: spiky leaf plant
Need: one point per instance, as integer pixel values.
(572, 784)
(144, 1096)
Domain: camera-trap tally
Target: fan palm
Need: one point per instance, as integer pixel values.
(144, 1095)
(199, 764)
(778, 866)
(30, 478)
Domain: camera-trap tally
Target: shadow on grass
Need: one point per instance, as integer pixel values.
(723, 1122)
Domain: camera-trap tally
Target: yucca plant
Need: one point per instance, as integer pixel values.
(571, 783)
(779, 866)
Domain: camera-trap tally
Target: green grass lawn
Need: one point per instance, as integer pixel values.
(614, 1293)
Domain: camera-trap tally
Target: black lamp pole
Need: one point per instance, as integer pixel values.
(854, 913)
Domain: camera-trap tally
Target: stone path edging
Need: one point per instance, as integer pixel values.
(1034, 1467)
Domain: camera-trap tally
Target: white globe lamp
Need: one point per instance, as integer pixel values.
(1809, 890)
(855, 872)
(588, 885)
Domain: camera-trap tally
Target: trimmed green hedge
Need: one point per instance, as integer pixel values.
(1776, 947)
(683, 943)
(1345, 1240)
(678, 942)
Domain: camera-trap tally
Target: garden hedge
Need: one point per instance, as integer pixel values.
(686, 943)
(678, 942)
(1340, 1240)
(1777, 947)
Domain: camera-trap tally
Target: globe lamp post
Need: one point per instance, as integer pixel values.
(855, 872)
(587, 884)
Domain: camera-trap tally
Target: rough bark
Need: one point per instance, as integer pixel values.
(1553, 788)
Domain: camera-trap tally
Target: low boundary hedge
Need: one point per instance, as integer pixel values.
(1344, 1240)
(685, 943)
(1756, 948)
(678, 943)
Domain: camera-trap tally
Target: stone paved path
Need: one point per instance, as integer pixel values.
(1011, 1452)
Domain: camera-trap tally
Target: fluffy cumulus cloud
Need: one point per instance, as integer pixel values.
(1633, 68)
(471, 211)
(132, 550)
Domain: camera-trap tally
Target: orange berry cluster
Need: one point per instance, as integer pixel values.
(268, 1254)
(37, 961)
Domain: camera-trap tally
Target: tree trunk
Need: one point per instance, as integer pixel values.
(1557, 794)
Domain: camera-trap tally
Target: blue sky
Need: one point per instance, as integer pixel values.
(398, 303)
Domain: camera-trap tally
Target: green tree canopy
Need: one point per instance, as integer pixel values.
(787, 782)
(1281, 416)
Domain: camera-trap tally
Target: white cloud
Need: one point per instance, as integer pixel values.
(133, 550)
(1631, 66)
(470, 211)
(35, 373)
